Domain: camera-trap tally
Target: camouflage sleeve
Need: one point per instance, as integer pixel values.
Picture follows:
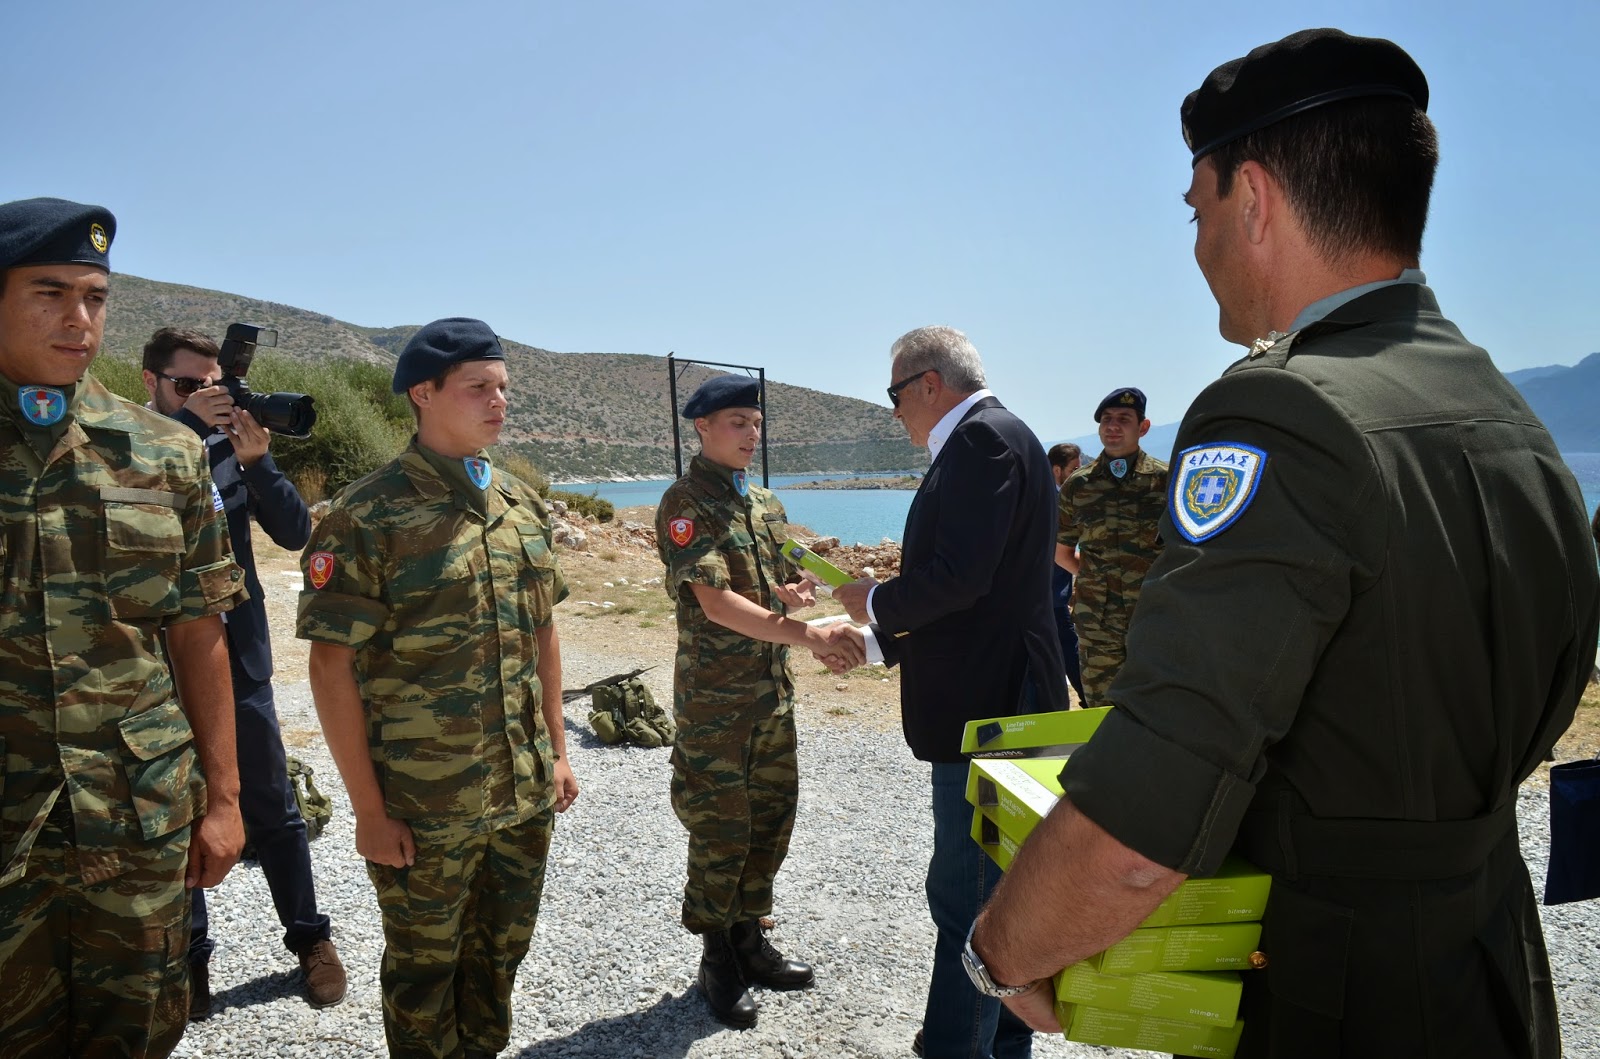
(561, 591)
(789, 572)
(689, 544)
(342, 602)
(1066, 518)
(210, 581)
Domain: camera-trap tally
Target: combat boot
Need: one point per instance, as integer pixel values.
(761, 964)
(721, 983)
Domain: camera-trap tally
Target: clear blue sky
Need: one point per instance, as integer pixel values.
(789, 185)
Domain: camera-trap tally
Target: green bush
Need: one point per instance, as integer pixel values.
(121, 377)
(586, 504)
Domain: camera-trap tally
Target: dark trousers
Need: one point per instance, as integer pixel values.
(272, 823)
(1061, 593)
(960, 1022)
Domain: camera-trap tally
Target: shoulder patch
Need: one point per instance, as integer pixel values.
(681, 530)
(319, 568)
(1211, 486)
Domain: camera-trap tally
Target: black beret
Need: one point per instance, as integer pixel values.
(723, 391)
(1127, 397)
(55, 232)
(437, 346)
(1302, 71)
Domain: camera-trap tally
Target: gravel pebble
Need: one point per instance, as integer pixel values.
(611, 972)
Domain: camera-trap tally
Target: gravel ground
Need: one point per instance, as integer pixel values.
(612, 975)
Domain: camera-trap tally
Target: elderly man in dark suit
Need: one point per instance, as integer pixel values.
(969, 621)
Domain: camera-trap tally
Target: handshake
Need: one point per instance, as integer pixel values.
(840, 647)
(845, 648)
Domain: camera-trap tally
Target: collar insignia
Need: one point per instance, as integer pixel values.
(741, 484)
(1119, 467)
(478, 470)
(43, 406)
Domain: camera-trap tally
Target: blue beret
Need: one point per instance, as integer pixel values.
(723, 391)
(1127, 397)
(439, 345)
(55, 232)
(1304, 70)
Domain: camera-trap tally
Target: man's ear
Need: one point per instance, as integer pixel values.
(1260, 197)
(150, 383)
(422, 394)
(1144, 427)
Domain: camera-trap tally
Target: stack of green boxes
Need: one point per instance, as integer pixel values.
(1172, 985)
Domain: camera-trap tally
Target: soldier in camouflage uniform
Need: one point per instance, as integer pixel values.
(734, 777)
(436, 669)
(112, 795)
(1108, 535)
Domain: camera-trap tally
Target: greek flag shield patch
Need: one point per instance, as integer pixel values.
(1212, 485)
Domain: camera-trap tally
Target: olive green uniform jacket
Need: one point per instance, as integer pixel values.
(1349, 681)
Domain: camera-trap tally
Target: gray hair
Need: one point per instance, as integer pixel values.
(941, 349)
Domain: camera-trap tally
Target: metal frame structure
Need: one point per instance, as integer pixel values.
(672, 390)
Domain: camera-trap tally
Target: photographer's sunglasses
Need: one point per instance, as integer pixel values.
(184, 385)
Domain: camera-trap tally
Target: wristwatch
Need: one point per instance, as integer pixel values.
(980, 974)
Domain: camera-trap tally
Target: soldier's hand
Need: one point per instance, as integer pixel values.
(250, 439)
(796, 595)
(853, 597)
(844, 648)
(384, 840)
(566, 786)
(214, 844)
(213, 406)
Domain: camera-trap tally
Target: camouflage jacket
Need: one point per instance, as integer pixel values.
(117, 533)
(440, 603)
(709, 535)
(1114, 522)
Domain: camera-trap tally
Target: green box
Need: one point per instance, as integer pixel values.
(807, 559)
(1001, 847)
(1122, 1029)
(1186, 996)
(1205, 947)
(1052, 734)
(1236, 894)
(1019, 792)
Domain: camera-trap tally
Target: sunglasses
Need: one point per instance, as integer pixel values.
(894, 391)
(183, 385)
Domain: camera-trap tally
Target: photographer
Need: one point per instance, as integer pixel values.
(180, 370)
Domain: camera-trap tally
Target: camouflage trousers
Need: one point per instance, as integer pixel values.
(94, 970)
(1102, 640)
(735, 784)
(456, 924)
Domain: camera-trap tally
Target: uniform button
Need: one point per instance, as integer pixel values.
(1258, 961)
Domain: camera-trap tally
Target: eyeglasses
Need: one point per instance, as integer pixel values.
(184, 385)
(894, 391)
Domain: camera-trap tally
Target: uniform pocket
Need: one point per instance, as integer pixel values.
(539, 572)
(1307, 941)
(164, 778)
(144, 550)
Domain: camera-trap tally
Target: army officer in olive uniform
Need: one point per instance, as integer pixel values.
(1352, 506)
(734, 778)
(436, 669)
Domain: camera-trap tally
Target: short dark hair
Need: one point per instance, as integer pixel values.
(165, 343)
(1358, 172)
(1063, 454)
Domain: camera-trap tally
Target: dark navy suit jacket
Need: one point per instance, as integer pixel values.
(970, 618)
(261, 492)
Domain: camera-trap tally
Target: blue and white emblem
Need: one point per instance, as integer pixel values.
(216, 497)
(1211, 487)
(42, 406)
(741, 484)
(478, 470)
(1119, 467)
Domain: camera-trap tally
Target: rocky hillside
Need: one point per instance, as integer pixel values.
(576, 415)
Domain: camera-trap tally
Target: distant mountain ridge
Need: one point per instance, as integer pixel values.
(1566, 397)
(578, 416)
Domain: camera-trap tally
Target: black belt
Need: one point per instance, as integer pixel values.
(1284, 840)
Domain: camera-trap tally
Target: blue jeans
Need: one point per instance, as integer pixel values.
(960, 1022)
(272, 822)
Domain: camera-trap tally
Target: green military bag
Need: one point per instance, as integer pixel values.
(315, 808)
(626, 712)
